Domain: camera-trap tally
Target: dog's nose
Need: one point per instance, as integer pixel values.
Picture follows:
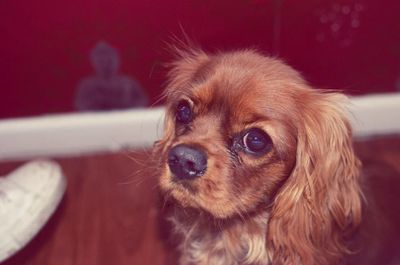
(187, 162)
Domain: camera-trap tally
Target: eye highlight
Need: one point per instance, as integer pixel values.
(184, 112)
(256, 141)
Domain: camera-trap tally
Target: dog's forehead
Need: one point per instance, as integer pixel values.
(244, 97)
(244, 79)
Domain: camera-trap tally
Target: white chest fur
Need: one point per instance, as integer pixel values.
(242, 242)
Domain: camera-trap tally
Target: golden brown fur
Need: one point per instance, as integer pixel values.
(294, 205)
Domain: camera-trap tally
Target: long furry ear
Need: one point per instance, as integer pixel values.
(321, 200)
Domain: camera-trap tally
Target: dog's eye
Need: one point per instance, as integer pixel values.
(184, 112)
(256, 141)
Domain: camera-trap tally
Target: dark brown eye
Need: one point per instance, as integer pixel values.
(184, 112)
(256, 141)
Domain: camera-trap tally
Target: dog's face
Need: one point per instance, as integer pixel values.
(230, 140)
(244, 131)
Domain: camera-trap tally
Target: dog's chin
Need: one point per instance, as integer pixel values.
(189, 197)
(215, 211)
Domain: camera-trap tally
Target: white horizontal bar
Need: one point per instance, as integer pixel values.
(77, 133)
(375, 114)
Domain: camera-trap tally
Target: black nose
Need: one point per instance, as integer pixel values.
(187, 162)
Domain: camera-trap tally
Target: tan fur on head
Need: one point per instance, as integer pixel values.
(291, 205)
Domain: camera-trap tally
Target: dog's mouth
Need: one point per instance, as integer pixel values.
(187, 185)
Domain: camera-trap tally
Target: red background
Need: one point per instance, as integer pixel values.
(45, 44)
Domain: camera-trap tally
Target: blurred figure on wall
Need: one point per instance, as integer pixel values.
(107, 89)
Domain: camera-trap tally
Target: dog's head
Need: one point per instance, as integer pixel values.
(244, 132)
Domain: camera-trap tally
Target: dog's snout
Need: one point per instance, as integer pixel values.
(187, 162)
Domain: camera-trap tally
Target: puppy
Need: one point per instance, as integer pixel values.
(259, 166)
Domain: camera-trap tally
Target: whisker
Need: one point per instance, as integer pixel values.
(136, 180)
(166, 197)
(158, 100)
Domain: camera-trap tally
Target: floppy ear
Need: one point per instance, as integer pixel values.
(321, 199)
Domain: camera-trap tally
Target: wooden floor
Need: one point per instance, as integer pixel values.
(110, 212)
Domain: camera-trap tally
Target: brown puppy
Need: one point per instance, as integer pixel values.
(260, 166)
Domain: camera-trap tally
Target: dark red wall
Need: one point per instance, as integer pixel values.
(44, 45)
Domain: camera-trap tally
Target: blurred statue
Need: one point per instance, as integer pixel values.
(107, 90)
